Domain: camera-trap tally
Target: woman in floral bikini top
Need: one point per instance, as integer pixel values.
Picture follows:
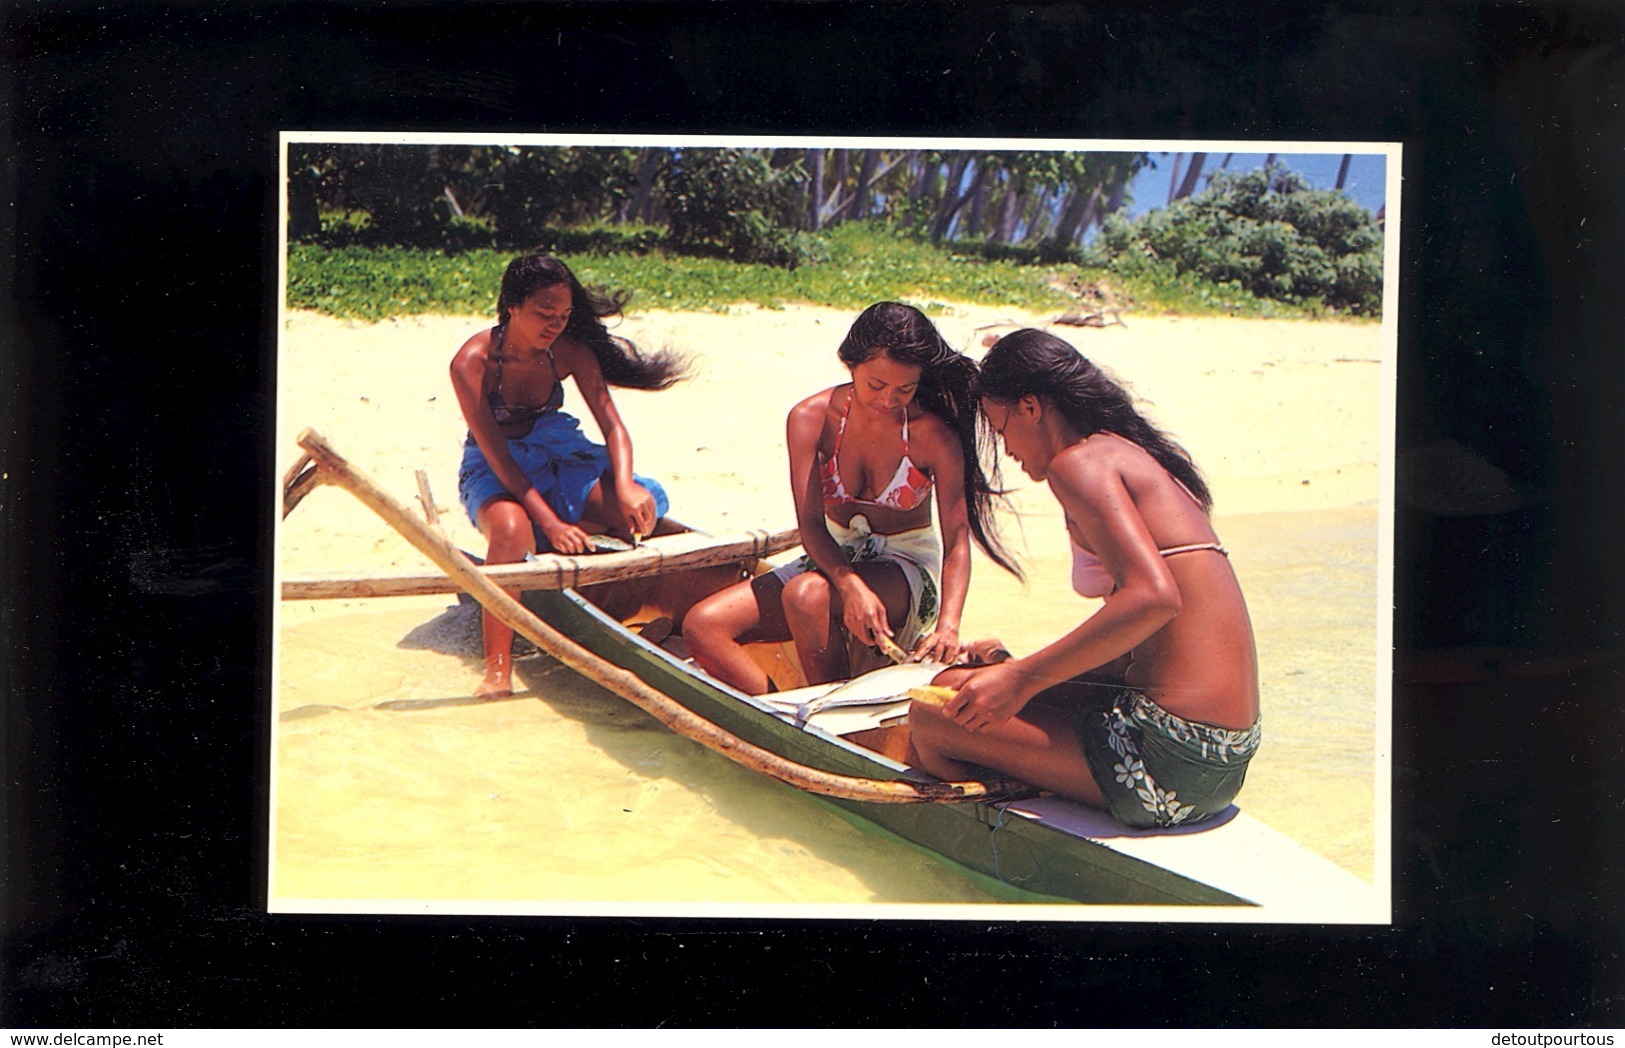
(909, 487)
(906, 428)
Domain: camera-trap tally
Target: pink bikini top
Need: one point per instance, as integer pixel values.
(1090, 577)
(909, 486)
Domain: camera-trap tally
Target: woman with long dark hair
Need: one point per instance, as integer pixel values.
(1149, 707)
(529, 476)
(867, 460)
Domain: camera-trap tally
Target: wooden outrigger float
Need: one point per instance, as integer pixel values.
(616, 619)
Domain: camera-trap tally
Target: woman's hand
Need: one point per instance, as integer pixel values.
(863, 613)
(638, 508)
(566, 538)
(988, 698)
(940, 645)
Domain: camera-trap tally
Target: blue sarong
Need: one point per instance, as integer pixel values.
(560, 462)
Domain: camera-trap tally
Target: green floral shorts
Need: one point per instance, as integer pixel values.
(1157, 769)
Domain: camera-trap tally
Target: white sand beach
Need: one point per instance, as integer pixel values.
(391, 785)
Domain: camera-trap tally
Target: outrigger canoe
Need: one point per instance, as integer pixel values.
(617, 618)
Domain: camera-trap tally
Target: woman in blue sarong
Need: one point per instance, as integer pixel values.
(530, 478)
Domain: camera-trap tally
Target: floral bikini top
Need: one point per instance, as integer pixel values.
(1090, 577)
(910, 486)
(524, 414)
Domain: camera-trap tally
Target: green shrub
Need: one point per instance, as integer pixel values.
(735, 204)
(1263, 232)
(343, 226)
(528, 190)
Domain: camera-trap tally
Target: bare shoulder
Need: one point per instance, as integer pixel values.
(472, 355)
(932, 439)
(812, 411)
(1091, 467)
(571, 357)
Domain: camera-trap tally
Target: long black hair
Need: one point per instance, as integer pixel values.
(622, 362)
(1033, 361)
(947, 390)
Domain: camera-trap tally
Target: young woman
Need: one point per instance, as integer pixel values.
(1168, 738)
(867, 459)
(529, 475)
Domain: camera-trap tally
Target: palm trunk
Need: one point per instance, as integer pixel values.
(866, 174)
(1173, 178)
(978, 205)
(1091, 213)
(1072, 214)
(815, 188)
(951, 200)
(843, 169)
(1004, 229)
(638, 206)
(923, 174)
(1188, 186)
(1039, 215)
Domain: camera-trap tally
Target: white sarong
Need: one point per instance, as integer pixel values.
(917, 553)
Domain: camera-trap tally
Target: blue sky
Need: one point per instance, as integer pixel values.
(1366, 184)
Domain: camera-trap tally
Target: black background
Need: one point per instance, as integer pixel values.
(139, 363)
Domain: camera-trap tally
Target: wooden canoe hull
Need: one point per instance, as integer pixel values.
(1045, 850)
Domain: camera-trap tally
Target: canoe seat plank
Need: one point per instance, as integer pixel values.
(662, 554)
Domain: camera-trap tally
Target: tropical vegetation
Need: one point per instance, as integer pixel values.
(1266, 232)
(378, 229)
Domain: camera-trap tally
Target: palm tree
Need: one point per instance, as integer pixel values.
(1188, 186)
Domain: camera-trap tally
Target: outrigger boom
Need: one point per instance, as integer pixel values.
(1049, 848)
(653, 556)
(430, 541)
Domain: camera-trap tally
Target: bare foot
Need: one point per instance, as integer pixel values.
(498, 682)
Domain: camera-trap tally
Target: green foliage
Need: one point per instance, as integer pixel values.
(372, 283)
(1159, 288)
(1265, 233)
(399, 188)
(867, 262)
(526, 190)
(451, 197)
(735, 203)
(599, 240)
(744, 205)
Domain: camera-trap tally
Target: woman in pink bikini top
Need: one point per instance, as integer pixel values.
(1090, 578)
(1169, 739)
(868, 459)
